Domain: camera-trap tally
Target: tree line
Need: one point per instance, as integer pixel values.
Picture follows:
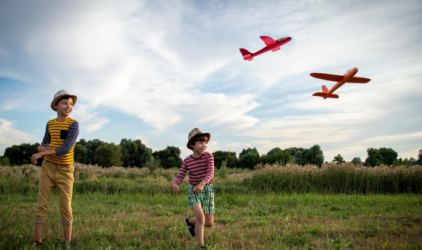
(133, 153)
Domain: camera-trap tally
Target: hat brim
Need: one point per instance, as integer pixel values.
(198, 134)
(54, 102)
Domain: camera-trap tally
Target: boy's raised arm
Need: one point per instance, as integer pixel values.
(70, 139)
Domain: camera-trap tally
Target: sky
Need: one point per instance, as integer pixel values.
(154, 70)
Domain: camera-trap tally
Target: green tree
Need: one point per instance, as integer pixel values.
(146, 156)
(231, 160)
(21, 154)
(249, 158)
(298, 158)
(405, 162)
(357, 161)
(82, 142)
(374, 158)
(302, 156)
(169, 157)
(338, 159)
(293, 151)
(132, 152)
(80, 153)
(420, 158)
(108, 155)
(315, 156)
(276, 155)
(389, 156)
(229, 157)
(91, 147)
(412, 161)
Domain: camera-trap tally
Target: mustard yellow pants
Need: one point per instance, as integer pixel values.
(51, 176)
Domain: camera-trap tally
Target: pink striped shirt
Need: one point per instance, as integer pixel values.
(200, 169)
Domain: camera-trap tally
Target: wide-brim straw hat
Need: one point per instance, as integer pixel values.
(60, 94)
(193, 133)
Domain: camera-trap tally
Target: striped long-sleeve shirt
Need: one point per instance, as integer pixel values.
(200, 169)
(61, 137)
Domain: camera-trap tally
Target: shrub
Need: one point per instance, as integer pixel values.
(223, 172)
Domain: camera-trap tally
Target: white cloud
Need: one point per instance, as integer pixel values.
(10, 136)
(174, 64)
(88, 119)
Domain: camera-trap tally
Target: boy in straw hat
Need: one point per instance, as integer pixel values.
(200, 193)
(57, 168)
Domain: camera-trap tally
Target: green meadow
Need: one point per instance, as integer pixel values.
(333, 207)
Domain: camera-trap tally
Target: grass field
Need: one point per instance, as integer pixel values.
(132, 209)
(273, 221)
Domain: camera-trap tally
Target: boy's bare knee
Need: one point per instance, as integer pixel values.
(209, 224)
(200, 219)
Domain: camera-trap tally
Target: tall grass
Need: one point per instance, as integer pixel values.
(242, 221)
(336, 178)
(331, 178)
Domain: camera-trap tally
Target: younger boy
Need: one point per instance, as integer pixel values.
(57, 168)
(200, 193)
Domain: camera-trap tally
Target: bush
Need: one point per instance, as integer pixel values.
(153, 164)
(223, 172)
(336, 178)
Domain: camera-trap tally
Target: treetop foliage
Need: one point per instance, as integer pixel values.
(133, 153)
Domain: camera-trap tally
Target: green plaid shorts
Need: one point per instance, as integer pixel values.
(205, 198)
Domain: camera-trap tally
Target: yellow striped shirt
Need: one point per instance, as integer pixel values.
(61, 137)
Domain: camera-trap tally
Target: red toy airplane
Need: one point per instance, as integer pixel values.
(272, 44)
(347, 77)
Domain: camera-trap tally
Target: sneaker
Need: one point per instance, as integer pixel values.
(38, 245)
(191, 227)
(203, 247)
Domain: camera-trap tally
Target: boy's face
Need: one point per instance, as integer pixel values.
(200, 147)
(64, 107)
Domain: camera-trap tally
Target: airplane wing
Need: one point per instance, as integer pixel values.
(328, 77)
(325, 95)
(358, 80)
(268, 40)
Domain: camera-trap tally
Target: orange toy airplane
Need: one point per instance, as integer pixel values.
(347, 77)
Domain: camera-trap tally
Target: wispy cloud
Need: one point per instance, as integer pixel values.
(176, 65)
(9, 136)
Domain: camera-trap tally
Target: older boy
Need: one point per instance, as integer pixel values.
(57, 168)
(200, 193)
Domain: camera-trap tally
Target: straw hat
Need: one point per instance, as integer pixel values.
(60, 94)
(193, 133)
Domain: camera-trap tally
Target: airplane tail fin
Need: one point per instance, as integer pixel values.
(246, 54)
(324, 89)
(325, 95)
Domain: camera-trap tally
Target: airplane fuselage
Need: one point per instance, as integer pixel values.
(348, 75)
(279, 42)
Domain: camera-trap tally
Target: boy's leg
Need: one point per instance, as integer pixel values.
(199, 222)
(65, 186)
(208, 205)
(38, 231)
(45, 189)
(67, 231)
(209, 220)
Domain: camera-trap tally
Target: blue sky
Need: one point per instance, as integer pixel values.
(154, 70)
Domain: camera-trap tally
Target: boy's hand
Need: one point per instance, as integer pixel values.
(175, 187)
(199, 187)
(35, 157)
